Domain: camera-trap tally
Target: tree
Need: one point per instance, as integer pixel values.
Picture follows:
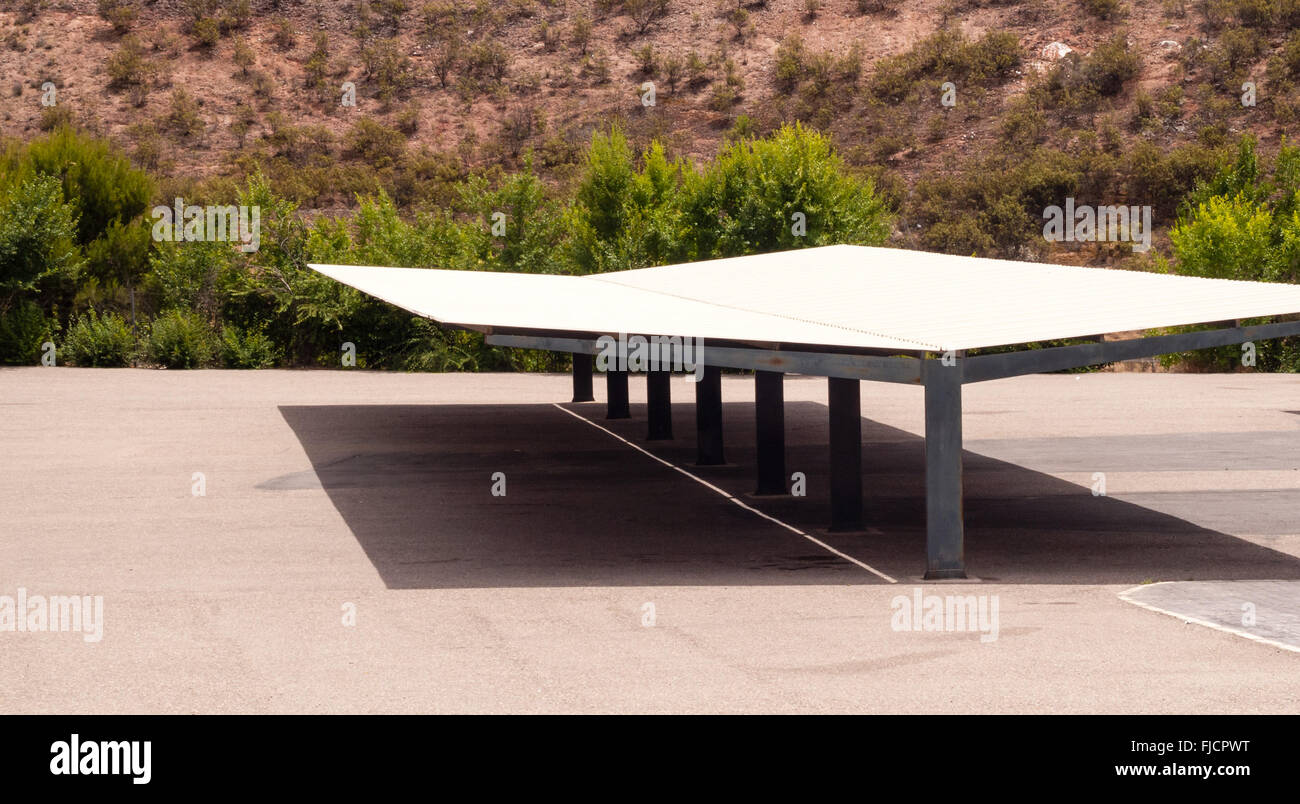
(1226, 237)
(243, 55)
(37, 236)
(749, 199)
(98, 181)
(645, 12)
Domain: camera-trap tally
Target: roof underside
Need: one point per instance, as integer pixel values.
(847, 297)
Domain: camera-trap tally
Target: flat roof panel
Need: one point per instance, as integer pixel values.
(853, 297)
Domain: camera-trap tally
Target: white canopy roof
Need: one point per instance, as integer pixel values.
(854, 297)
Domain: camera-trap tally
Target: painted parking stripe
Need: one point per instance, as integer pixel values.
(728, 496)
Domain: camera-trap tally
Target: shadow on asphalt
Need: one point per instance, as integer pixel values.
(414, 485)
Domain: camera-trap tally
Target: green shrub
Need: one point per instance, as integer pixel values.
(374, 143)
(97, 179)
(743, 202)
(183, 115)
(206, 32)
(285, 36)
(242, 55)
(127, 66)
(388, 68)
(488, 61)
(37, 235)
(1225, 238)
(644, 12)
(247, 349)
(185, 275)
(23, 328)
(947, 56)
(1255, 13)
(53, 117)
(1104, 9)
(317, 66)
(1078, 82)
(1235, 51)
(99, 341)
(995, 207)
(1110, 66)
(118, 13)
(1289, 56)
(180, 339)
(789, 66)
(1162, 176)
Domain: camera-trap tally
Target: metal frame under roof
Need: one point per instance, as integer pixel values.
(847, 313)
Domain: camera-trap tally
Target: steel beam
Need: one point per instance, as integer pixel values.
(659, 405)
(944, 529)
(769, 419)
(846, 453)
(817, 364)
(708, 418)
(1060, 358)
(616, 395)
(582, 378)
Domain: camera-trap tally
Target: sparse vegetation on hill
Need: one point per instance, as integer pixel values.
(389, 131)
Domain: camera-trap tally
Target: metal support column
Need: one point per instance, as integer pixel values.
(944, 531)
(846, 453)
(769, 419)
(616, 395)
(582, 378)
(708, 418)
(659, 405)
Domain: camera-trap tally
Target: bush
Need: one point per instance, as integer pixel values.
(374, 143)
(388, 68)
(789, 67)
(1225, 238)
(947, 56)
(1289, 56)
(118, 13)
(1077, 82)
(127, 66)
(206, 32)
(99, 341)
(247, 349)
(242, 55)
(1236, 50)
(743, 202)
(96, 178)
(1104, 9)
(37, 231)
(53, 117)
(317, 66)
(644, 12)
(23, 329)
(286, 36)
(180, 339)
(1110, 66)
(488, 61)
(1161, 176)
(183, 115)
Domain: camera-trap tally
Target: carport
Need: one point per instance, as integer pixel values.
(847, 313)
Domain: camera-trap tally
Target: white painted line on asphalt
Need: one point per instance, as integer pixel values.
(723, 493)
(1186, 619)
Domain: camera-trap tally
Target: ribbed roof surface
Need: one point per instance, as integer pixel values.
(846, 296)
